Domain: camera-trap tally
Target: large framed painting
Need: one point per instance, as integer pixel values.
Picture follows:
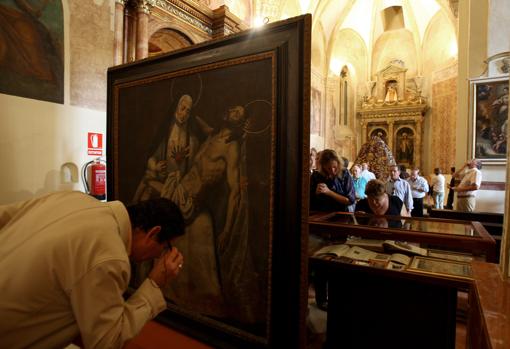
(489, 110)
(222, 130)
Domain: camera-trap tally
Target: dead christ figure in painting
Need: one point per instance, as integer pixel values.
(219, 159)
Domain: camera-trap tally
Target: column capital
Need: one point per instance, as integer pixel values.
(145, 6)
(121, 2)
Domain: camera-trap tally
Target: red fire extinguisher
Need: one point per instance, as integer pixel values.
(94, 178)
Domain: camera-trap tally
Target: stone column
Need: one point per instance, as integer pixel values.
(142, 28)
(364, 125)
(129, 32)
(119, 32)
(418, 142)
(390, 136)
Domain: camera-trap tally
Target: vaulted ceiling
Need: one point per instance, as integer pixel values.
(344, 30)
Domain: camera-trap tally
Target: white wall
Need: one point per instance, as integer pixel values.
(36, 139)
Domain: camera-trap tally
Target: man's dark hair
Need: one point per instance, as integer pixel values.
(163, 212)
(375, 188)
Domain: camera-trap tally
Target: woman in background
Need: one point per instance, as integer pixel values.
(331, 188)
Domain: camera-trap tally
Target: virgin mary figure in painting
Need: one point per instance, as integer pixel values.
(174, 153)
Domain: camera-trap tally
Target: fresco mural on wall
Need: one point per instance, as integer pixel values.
(32, 49)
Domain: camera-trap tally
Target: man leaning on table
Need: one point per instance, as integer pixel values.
(65, 261)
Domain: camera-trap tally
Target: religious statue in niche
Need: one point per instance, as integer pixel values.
(391, 92)
(381, 133)
(405, 146)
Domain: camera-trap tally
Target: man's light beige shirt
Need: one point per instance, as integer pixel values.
(64, 268)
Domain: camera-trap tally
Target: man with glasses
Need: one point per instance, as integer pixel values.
(65, 260)
(400, 188)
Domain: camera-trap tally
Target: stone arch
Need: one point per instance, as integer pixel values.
(167, 40)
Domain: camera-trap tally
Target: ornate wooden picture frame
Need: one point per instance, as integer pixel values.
(489, 117)
(222, 129)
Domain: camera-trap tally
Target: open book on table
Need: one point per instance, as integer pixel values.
(361, 256)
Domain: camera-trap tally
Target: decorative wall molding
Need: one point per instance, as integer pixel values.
(186, 14)
(499, 186)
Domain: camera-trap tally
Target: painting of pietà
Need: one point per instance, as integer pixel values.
(32, 49)
(204, 138)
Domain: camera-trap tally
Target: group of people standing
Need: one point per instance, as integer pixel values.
(334, 188)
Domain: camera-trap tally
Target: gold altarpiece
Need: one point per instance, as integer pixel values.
(394, 110)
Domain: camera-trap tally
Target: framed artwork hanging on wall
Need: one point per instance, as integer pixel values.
(222, 130)
(489, 119)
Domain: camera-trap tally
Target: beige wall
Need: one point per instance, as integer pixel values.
(91, 51)
(37, 138)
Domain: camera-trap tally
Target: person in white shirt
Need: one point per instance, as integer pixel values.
(471, 179)
(419, 188)
(437, 183)
(65, 261)
(365, 173)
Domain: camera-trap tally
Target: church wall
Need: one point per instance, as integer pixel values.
(318, 110)
(472, 38)
(499, 30)
(442, 119)
(395, 44)
(349, 50)
(440, 87)
(318, 91)
(91, 51)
